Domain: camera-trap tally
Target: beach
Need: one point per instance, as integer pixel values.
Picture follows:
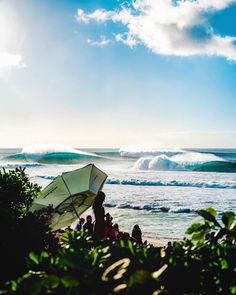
(157, 189)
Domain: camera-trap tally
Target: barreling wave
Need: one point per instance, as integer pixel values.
(188, 161)
(51, 154)
(137, 182)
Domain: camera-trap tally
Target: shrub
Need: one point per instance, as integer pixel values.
(204, 263)
(21, 230)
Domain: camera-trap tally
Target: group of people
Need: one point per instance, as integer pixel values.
(103, 227)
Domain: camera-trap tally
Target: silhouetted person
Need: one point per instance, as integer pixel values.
(116, 232)
(99, 213)
(108, 225)
(137, 234)
(88, 226)
(79, 225)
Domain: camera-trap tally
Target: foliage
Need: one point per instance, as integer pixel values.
(204, 263)
(21, 230)
(16, 192)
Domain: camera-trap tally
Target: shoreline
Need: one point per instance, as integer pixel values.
(159, 241)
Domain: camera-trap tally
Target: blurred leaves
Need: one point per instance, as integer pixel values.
(203, 263)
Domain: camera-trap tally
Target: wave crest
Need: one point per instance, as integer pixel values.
(48, 154)
(149, 207)
(137, 182)
(187, 161)
(137, 153)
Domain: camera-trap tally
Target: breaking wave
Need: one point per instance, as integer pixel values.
(188, 161)
(18, 165)
(51, 154)
(153, 209)
(137, 153)
(170, 183)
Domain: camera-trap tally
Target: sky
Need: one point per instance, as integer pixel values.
(111, 73)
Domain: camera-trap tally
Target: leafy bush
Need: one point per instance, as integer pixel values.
(21, 231)
(204, 263)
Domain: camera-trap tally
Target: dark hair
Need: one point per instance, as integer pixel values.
(116, 226)
(82, 220)
(99, 199)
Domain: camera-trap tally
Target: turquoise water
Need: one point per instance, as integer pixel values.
(158, 189)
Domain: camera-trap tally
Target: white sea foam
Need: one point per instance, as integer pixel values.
(50, 149)
(150, 207)
(164, 163)
(192, 157)
(178, 162)
(146, 152)
(17, 165)
(160, 163)
(138, 182)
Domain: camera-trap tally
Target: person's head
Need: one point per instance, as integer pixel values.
(116, 227)
(89, 218)
(136, 227)
(81, 221)
(100, 197)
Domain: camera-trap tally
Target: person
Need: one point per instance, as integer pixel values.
(108, 225)
(99, 213)
(79, 225)
(137, 234)
(88, 226)
(116, 232)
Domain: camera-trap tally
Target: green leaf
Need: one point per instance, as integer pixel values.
(69, 282)
(131, 247)
(228, 219)
(51, 281)
(201, 235)
(193, 228)
(209, 214)
(34, 257)
(212, 211)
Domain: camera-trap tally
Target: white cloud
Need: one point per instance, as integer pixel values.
(100, 43)
(169, 28)
(126, 39)
(9, 61)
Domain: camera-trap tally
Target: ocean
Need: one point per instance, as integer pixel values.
(159, 189)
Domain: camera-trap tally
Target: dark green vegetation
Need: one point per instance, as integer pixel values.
(203, 263)
(21, 231)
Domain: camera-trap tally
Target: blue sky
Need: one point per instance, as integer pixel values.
(109, 74)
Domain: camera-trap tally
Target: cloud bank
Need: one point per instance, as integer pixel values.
(167, 27)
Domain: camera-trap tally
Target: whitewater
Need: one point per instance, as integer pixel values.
(160, 189)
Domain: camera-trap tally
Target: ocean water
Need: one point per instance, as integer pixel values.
(158, 189)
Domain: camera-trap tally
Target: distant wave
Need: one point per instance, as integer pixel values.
(137, 153)
(136, 182)
(188, 161)
(169, 183)
(162, 162)
(17, 165)
(51, 154)
(48, 177)
(153, 209)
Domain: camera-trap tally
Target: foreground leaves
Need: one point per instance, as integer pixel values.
(204, 263)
